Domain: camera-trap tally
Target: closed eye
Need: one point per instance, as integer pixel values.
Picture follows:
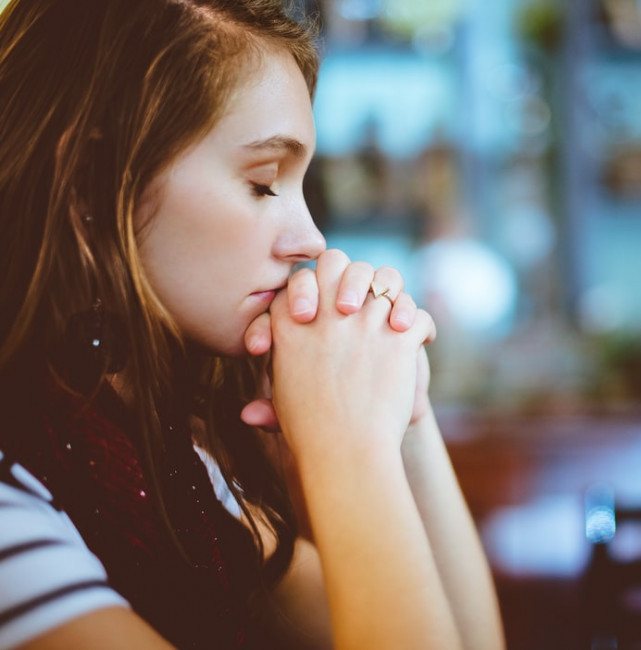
(262, 190)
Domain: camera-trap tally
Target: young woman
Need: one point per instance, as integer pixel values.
(151, 329)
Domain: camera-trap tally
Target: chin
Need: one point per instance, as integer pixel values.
(233, 348)
(229, 342)
(237, 352)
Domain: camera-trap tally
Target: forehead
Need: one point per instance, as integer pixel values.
(271, 104)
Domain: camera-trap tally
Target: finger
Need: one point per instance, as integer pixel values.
(387, 277)
(329, 270)
(422, 371)
(420, 407)
(279, 305)
(260, 413)
(258, 336)
(387, 282)
(302, 295)
(353, 287)
(424, 329)
(403, 313)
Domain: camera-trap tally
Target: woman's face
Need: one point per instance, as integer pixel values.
(231, 220)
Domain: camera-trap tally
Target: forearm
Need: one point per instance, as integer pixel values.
(453, 537)
(382, 583)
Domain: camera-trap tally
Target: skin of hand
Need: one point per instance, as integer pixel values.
(302, 299)
(425, 460)
(368, 356)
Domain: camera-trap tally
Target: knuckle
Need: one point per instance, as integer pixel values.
(333, 255)
(277, 304)
(303, 278)
(405, 300)
(362, 268)
(428, 318)
(428, 326)
(432, 329)
(394, 275)
(422, 319)
(331, 265)
(300, 273)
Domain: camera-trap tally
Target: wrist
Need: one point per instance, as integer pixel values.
(319, 444)
(346, 460)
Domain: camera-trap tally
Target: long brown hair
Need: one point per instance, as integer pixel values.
(96, 99)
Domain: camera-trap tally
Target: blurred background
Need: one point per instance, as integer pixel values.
(491, 150)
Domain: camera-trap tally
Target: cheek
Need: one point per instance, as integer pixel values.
(191, 235)
(199, 298)
(201, 260)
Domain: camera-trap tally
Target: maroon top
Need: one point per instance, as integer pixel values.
(91, 462)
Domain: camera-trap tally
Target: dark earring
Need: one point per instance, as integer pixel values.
(94, 343)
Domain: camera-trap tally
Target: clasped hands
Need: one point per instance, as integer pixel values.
(325, 299)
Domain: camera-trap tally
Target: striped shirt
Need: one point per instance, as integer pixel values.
(48, 576)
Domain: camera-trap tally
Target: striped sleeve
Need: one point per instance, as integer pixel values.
(48, 576)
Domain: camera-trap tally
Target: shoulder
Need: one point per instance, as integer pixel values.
(48, 576)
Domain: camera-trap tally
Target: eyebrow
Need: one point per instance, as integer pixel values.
(279, 143)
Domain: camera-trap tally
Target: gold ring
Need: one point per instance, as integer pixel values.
(378, 293)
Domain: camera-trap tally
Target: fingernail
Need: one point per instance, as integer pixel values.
(403, 318)
(301, 306)
(349, 298)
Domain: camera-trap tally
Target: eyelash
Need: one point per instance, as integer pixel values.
(262, 190)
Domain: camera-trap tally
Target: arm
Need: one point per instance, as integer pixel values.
(54, 592)
(441, 507)
(382, 583)
(112, 628)
(296, 612)
(403, 595)
(459, 556)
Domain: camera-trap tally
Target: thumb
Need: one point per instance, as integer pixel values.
(258, 336)
(260, 413)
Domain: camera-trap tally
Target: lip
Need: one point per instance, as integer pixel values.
(265, 296)
(270, 294)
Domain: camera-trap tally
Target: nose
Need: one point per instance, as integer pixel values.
(300, 240)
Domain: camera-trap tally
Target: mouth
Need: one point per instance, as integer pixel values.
(265, 296)
(268, 294)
